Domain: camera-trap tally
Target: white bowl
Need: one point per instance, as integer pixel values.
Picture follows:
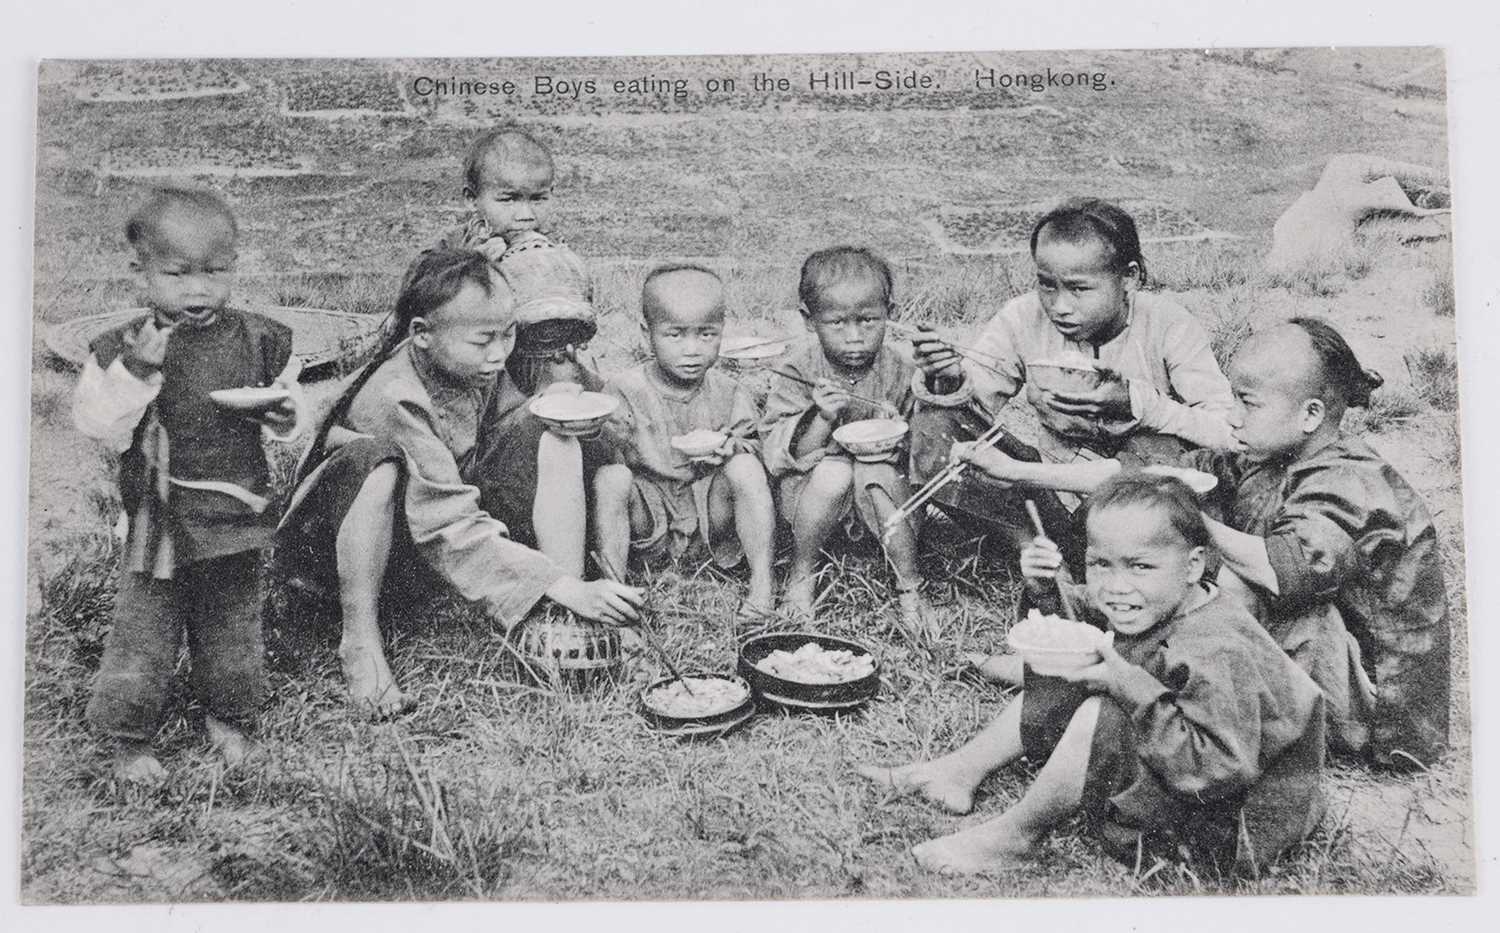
(872, 438)
(698, 444)
(250, 398)
(1198, 481)
(1052, 646)
(574, 414)
(1064, 374)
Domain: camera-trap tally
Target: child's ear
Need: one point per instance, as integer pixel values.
(1197, 564)
(420, 332)
(802, 309)
(1313, 413)
(1132, 277)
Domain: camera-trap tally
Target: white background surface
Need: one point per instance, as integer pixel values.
(330, 28)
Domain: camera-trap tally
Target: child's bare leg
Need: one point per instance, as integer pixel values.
(744, 499)
(364, 548)
(135, 764)
(819, 509)
(612, 526)
(1005, 669)
(232, 743)
(558, 513)
(950, 781)
(901, 550)
(1012, 837)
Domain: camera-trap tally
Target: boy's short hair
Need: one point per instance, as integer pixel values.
(1167, 494)
(145, 221)
(648, 307)
(840, 263)
(504, 144)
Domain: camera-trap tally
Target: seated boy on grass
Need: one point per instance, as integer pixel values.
(846, 298)
(657, 501)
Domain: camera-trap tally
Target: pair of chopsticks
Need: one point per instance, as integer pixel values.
(793, 377)
(1062, 570)
(605, 565)
(979, 357)
(940, 479)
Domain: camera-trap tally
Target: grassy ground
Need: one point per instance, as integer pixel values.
(497, 788)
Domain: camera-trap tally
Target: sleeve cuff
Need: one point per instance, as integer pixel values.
(1139, 691)
(1294, 576)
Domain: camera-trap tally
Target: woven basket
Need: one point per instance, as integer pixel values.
(562, 643)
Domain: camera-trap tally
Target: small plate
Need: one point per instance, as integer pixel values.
(698, 444)
(250, 398)
(573, 413)
(1198, 481)
(751, 349)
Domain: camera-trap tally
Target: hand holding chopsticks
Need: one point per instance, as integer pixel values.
(879, 404)
(1060, 577)
(611, 573)
(943, 477)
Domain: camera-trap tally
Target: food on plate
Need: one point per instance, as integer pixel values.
(709, 697)
(872, 438)
(1054, 645)
(814, 664)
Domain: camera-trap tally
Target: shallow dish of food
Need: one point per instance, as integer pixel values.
(1067, 373)
(250, 398)
(805, 670)
(871, 438)
(574, 414)
(751, 349)
(1052, 645)
(716, 704)
(695, 445)
(1198, 481)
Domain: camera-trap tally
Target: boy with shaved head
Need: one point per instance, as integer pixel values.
(194, 481)
(658, 501)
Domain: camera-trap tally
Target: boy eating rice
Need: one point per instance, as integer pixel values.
(658, 500)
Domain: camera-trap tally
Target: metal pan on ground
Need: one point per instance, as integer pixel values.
(322, 339)
(788, 693)
(1198, 481)
(719, 704)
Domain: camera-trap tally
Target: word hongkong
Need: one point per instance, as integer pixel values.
(988, 79)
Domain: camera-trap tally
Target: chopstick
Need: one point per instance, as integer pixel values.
(1062, 590)
(756, 344)
(974, 355)
(609, 571)
(879, 405)
(940, 479)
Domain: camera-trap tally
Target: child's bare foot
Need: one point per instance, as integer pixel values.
(797, 598)
(761, 598)
(230, 741)
(991, 846)
(371, 684)
(923, 778)
(1004, 669)
(136, 766)
(915, 615)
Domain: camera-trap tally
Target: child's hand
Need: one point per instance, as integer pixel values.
(493, 248)
(830, 399)
(147, 347)
(716, 459)
(1040, 561)
(599, 600)
(935, 356)
(1110, 400)
(1107, 675)
(280, 418)
(989, 459)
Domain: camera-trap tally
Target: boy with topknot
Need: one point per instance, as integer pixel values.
(194, 481)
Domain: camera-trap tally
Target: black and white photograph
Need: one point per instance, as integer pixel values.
(839, 476)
